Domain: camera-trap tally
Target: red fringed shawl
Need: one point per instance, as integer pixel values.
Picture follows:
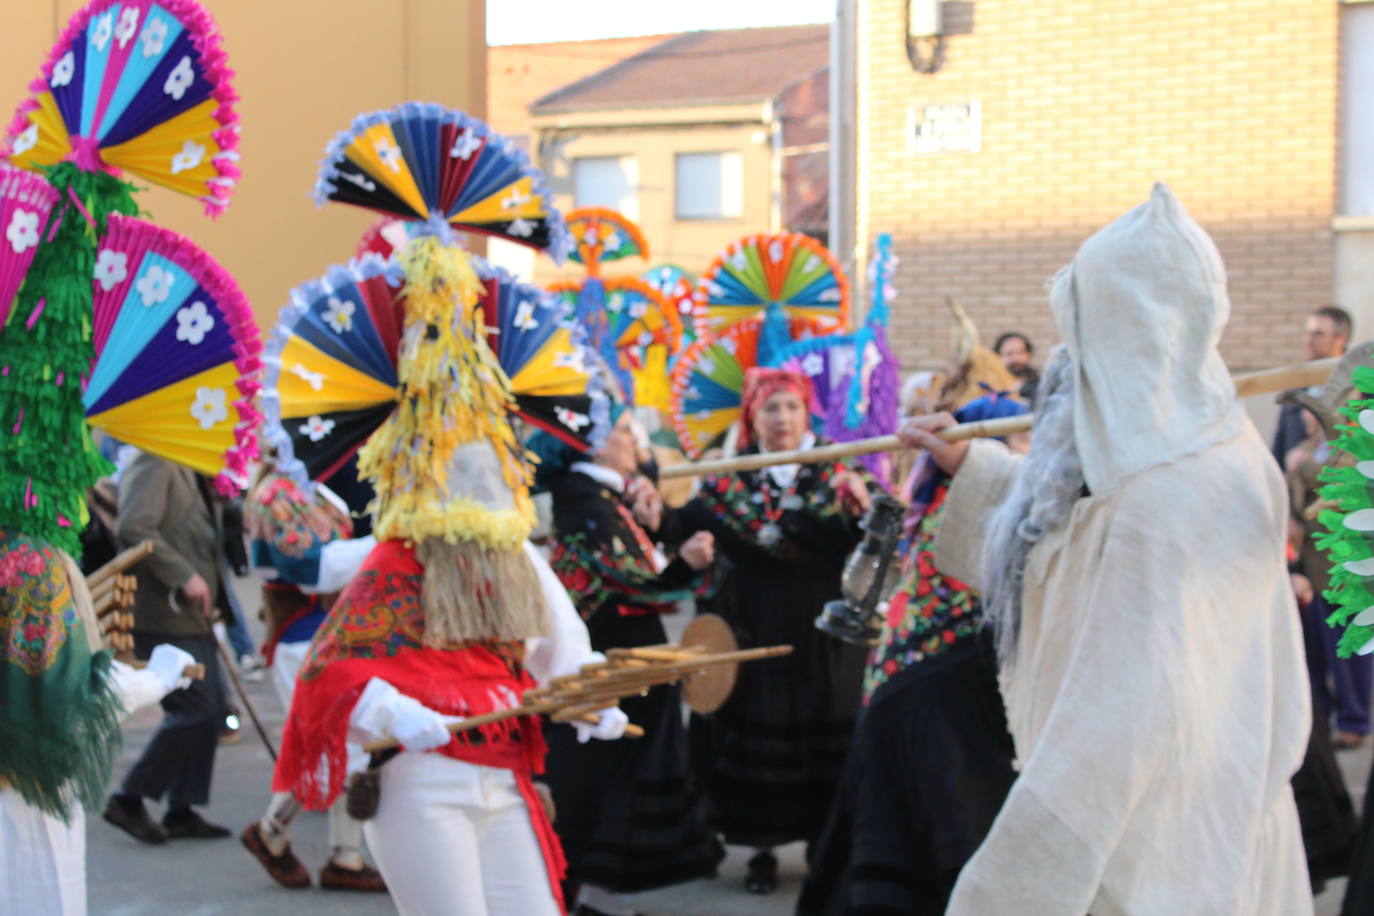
(376, 629)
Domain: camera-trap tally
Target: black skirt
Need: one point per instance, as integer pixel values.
(930, 768)
(773, 754)
(630, 814)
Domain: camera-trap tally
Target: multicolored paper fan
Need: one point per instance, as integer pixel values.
(26, 203)
(432, 164)
(331, 375)
(708, 381)
(176, 352)
(678, 287)
(634, 329)
(331, 363)
(603, 235)
(553, 370)
(141, 87)
(790, 272)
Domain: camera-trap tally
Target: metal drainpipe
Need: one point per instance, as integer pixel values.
(773, 115)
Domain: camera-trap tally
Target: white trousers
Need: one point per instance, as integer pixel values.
(42, 860)
(454, 839)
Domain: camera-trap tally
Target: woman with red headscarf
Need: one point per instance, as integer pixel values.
(772, 755)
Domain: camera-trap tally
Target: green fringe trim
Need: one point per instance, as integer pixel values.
(1350, 593)
(71, 756)
(47, 459)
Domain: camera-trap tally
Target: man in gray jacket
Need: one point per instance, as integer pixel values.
(180, 589)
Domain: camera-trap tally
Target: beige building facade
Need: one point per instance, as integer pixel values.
(305, 68)
(1041, 122)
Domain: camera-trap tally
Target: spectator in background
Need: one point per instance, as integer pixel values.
(1327, 334)
(1016, 351)
(180, 590)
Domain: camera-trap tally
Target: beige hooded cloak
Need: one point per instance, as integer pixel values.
(1158, 696)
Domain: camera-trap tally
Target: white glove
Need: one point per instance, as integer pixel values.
(610, 726)
(168, 662)
(384, 711)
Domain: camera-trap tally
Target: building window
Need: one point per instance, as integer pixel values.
(606, 181)
(709, 186)
(1357, 110)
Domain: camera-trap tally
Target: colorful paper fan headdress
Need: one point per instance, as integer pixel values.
(708, 381)
(432, 164)
(603, 235)
(784, 276)
(333, 362)
(139, 86)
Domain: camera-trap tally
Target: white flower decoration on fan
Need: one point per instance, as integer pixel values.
(514, 199)
(104, 29)
(715, 289)
(615, 302)
(180, 79)
(522, 227)
(209, 407)
(775, 250)
(830, 295)
(314, 379)
(739, 260)
(128, 26)
(190, 156)
(389, 153)
(524, 316)
(63, 70)
(812, 262)
(194, 322)
(729, 345)
(22, 231)
(26, 141)
(339, 314)
(639, 309)
(316, 428)
(571, 419)
(645, 339)
(111, 269)
(612, 241)
(692, 393)
(467, 143)
(154, 37)
(155, 285)
(813, 364)
(706, 365)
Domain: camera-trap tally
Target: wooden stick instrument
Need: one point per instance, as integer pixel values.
(1249, 384)
(121, 563)
(625, 673)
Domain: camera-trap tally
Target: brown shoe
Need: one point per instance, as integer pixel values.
(337, 878)
(285, 869)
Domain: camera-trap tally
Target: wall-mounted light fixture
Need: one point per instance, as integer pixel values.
(925, 35)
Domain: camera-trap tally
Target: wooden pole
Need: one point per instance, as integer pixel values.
(1248, 384)
(119, 564)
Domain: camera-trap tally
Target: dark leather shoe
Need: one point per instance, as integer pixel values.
(192, 826)
(337, 878)
(133, 819)
(763, 874)
(285, 869)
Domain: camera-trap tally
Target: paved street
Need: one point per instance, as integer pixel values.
(212, 877)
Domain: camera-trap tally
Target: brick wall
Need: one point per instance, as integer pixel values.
(1084, 104)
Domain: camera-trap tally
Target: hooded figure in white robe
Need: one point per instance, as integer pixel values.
(1134, 564)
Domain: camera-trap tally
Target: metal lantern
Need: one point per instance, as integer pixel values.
(869, 576)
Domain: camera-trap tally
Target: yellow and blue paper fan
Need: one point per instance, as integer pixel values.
(604, 235)
(787, 275)
(140, 87)
(331, 376)
(177, 353)
(634, 329)
(708, 381)
(433, 164)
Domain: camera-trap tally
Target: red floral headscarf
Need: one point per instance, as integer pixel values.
(760, 384)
